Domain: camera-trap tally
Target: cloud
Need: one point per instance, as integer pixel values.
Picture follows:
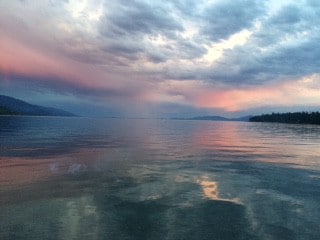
(225, 18)
(138, 18)
(197, 54)
(300, 92)
(130, 31)
(282, 46)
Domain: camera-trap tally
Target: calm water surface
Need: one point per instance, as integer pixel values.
(81, 178)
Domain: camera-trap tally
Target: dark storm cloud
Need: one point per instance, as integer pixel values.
(225, 18)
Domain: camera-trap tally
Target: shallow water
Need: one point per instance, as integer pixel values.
(82, 178)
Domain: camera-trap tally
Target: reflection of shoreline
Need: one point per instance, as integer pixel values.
(211, 191)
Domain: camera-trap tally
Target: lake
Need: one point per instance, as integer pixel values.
(86, 178)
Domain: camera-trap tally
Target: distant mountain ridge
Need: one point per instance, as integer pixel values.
(217, 118)
(13, 106)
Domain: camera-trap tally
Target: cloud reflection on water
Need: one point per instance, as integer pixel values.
(171, 179)
(211, 191)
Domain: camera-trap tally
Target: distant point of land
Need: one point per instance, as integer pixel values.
(13, 106)
(293, 118)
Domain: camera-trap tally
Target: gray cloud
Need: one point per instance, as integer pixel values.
(124, 28)
(289, 21)
(137, 18)
(286, 46)
(127, 30)
(188, 8)
(138, 42)
(287, 16)
(224, 18)
(295, 61)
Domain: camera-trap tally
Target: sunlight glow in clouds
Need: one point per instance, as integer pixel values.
(215, 51)
(226, 56)
(81, 8)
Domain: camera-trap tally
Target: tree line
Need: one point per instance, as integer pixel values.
(5, 111)
(295, 118)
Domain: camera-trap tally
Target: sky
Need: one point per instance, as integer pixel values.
(153, 58)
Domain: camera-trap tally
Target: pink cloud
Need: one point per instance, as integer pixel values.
(200, 95)
(18, 58)
(286, 93)
(240, 99)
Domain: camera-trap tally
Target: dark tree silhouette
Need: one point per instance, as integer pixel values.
(295, 118)
(6, 111)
